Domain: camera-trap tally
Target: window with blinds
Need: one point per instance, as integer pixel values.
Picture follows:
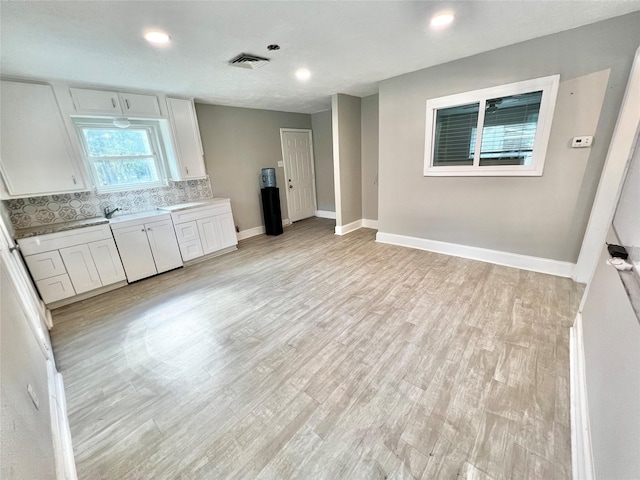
(514, 121)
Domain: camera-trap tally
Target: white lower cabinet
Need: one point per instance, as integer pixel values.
(189, 240)
(55, 288)
(108, 263)
(72, 262)
(81, 268)
(203, 228)
(209, 235)
(147, 248)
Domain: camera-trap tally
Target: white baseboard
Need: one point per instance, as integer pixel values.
(348, 228)
(366, 223)
(581, 454)
(325, 214)
(515, 260)
(250, 232)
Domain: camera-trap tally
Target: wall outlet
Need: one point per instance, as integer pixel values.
(281, 163)
(581, 142)
(34, 396)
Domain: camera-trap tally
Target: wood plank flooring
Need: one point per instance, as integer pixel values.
(315, 356)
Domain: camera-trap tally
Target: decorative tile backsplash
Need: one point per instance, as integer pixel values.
(36, 211)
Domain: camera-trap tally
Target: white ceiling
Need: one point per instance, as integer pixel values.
(348, 46)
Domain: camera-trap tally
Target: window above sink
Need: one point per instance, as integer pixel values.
(123, 158)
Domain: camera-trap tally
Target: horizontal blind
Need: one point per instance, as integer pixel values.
(454, 129)
(509, 131)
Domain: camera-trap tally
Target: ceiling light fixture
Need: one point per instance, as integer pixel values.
(442, 20)
(156, 37)
(303, 74)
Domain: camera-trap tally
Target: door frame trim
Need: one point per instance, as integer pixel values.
(313, 166)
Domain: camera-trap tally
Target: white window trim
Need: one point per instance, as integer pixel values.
(155, 136)
(548, 85)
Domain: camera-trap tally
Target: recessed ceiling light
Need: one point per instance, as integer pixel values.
(442, 20)
(156, 37)
(303, 74)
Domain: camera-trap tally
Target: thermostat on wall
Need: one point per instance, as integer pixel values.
(581, 142)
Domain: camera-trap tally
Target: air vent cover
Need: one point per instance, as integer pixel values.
(245, 60)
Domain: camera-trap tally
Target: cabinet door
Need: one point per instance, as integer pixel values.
(186, 139)
(227, 230)
(108, 263)
(36, 156)
(81, 269)
(162, 239)
(95, 101)
(45, 265)
(140, 105)
(209, 235)
(135, 252)
(55, 288)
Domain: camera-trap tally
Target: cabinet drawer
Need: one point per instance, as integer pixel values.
(45, 265)
(187, 232)
(191, 250)
(55, 288)
(199, 213)
(69, 238)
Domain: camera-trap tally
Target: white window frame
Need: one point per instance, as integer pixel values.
(548, 86)
(154, 133)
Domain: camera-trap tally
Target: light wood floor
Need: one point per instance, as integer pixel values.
(314, 356)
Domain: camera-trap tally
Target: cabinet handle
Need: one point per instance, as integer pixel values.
(126, 102)
(16, 247)
(143, 230)
(73, 177)
(148, 229)
(187, 169)
(113, 102)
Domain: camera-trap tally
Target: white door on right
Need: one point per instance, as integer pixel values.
(297, 154)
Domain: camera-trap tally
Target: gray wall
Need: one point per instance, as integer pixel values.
(347, 162)
(369, 121)
(539, 216)
(323, 158)
(612, 365)
(27, 444)
(238, 143)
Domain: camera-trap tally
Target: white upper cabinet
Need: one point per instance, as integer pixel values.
(36, 156)
(137, 105)
(186, 139)
(103, 102)
(95, 101)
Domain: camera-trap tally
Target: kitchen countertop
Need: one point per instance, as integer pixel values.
(135, 216)
(186, 206)
(58, 227)
(92, 222)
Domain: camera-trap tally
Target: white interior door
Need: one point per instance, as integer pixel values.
(297, 154)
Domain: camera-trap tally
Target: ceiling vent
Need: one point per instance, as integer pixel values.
(245, 60)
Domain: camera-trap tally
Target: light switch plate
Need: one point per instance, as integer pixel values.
(281, 163)
(34, 396)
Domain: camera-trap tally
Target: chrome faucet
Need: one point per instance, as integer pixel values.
(109, 213)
